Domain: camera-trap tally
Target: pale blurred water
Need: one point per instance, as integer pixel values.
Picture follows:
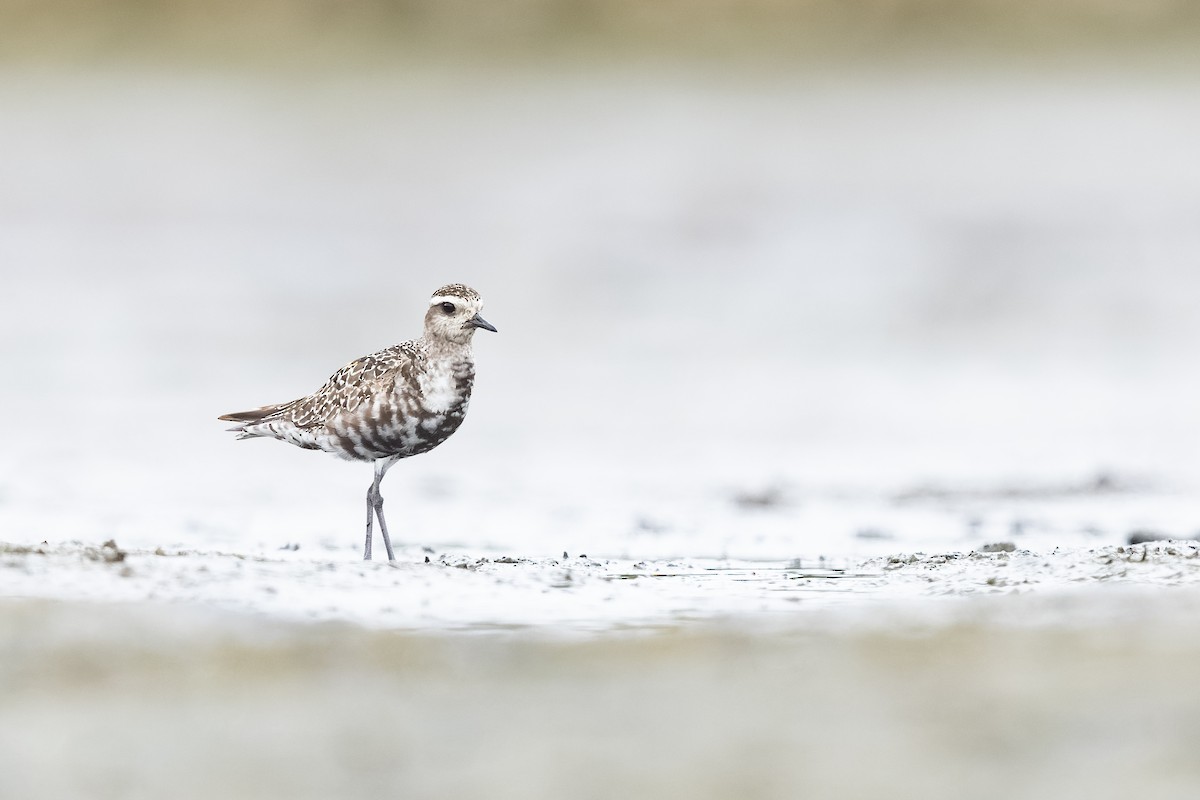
(146, 701)
(840, 283)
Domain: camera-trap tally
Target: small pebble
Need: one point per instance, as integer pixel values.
(1144, 536)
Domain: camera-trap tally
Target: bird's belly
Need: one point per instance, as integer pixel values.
(411, 440)
(380, 434)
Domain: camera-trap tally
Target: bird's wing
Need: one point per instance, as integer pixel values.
(254, 415)
(347, 389)
(355, 384)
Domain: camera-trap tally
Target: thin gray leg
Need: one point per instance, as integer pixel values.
(375, 502)
(370, 519)
(387, 543)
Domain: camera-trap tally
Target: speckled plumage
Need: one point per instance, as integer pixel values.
(401, 401)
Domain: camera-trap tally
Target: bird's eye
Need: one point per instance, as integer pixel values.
(448, 308)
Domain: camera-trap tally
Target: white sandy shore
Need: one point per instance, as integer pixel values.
(463, 592)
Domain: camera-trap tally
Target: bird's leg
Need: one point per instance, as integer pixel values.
(387, 543)
(370, 519)
(375, 499)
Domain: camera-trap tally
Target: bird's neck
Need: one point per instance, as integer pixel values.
(441, 349)
(448, 375)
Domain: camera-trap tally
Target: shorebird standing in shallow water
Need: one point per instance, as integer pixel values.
(399, 402)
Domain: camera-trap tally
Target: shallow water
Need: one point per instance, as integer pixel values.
(832, 289)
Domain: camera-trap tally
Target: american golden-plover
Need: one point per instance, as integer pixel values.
(399, 402)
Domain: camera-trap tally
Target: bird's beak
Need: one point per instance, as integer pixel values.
(479, 322)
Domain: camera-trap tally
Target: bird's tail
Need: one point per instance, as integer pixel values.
(248, 418)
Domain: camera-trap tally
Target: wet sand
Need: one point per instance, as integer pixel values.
(472, 592)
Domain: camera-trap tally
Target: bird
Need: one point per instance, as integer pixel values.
(398, 402)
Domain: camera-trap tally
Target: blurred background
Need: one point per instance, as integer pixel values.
(772, 278)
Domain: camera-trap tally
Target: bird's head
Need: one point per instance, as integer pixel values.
(454, 314)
